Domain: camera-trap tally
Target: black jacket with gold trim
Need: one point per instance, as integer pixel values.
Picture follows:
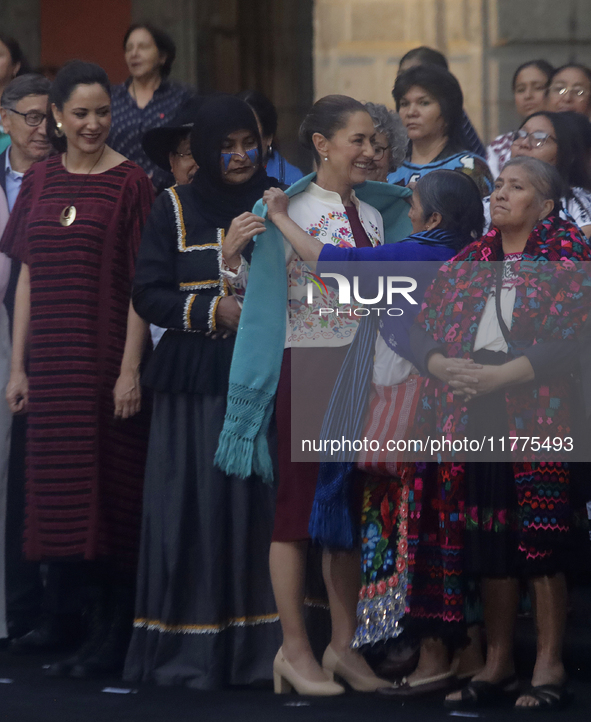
(178, 284)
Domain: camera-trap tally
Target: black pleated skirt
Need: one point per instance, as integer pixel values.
(205, 612)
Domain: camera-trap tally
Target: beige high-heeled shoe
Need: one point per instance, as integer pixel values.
(286, 679)
(333, 665)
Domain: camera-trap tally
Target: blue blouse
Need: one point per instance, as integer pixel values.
(435, 247)
(286, 173)
(465, 161)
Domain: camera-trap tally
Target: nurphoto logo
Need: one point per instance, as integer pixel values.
(390, 287)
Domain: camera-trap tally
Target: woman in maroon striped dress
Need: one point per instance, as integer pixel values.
(75, 368)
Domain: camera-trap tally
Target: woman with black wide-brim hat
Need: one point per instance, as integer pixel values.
(169, 147)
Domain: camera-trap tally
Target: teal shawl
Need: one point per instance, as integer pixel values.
(258, 351)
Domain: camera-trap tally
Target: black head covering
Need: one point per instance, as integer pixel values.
(220, 202)
(159, 142)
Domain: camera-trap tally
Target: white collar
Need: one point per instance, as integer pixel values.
(330, 197)
(8, 167)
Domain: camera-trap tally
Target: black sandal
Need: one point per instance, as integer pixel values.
(485, 694)
(550, 697)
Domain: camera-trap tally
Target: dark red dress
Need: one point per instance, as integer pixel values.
(84, 467)
(316, 378)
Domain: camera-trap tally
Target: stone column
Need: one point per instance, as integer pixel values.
(179, 18)
(20, 18)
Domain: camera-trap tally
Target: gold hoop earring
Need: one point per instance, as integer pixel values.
(59, 130)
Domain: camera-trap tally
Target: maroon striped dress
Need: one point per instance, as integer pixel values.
(84, 468)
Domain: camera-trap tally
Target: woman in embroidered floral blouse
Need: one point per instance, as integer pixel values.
(205, 613)
(512, 369)
(340, 133)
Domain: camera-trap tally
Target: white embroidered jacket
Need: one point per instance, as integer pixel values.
(322, 214)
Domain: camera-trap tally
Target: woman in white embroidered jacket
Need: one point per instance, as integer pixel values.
(340, 133)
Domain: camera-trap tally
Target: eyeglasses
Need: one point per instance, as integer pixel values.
(184, 155)
(560, 89)
(379, 151)
(33, 118)
(536, 139)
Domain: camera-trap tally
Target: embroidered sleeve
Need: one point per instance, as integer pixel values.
(190, 300)
(238, 278)
(213, 306)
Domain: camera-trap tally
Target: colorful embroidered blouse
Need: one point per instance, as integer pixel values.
(499, 152)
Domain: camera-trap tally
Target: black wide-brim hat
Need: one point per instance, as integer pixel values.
(158, 143)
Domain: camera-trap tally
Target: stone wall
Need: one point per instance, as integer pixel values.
(231, 44)
(358, 45)
(180, 18)
(521, 30)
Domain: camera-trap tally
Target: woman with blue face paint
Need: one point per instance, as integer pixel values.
(205, 613)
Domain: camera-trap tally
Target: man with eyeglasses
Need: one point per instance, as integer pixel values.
(23, 109)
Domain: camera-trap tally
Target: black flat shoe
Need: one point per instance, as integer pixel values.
(65, 666)
(446, 682)
(49, 635)
(98, 628)
(393, 668)
(109, 657)
(485, 694)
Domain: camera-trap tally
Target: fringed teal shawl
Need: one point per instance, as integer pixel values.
(258, 351)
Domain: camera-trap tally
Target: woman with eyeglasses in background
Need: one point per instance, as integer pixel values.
(556, 138)
(390, 142)
(530, 90)
(570, 89)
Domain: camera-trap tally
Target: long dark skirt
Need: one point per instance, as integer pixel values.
(308, 375)
(476, 520)
(205, 612)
